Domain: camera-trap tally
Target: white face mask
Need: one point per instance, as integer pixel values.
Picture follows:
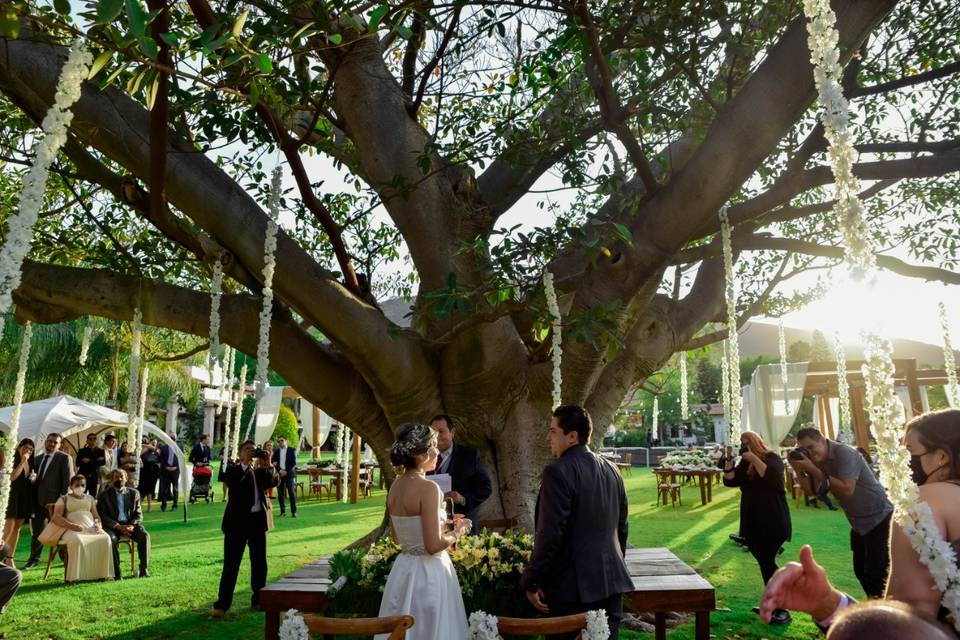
(79, 491)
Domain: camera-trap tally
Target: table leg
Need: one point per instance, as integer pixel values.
(703, 491)
(339, 489)
(703, 625)
(271, 625)
(710, 489)
(660, 626)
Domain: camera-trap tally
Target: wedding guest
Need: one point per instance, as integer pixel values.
(89, 461)
(20, 506)
(54, 470)
(285, 461)
(200, 454)
(169, 476)
(577, 563)
(268, 449)
(9, 579)
(126, 461)
(149, 473)
(244, 524)
(88, 545)
(470, 483)
(111, 456)
(764, 514)
(827, 466)
(119, 506)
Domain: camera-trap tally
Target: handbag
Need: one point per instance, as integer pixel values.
(51, 534)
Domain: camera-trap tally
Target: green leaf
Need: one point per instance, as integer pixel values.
(99, 64)
(335, 38)
(149, 47)
(403, 31)
(113, 76)
(376, 16)
(62, 7)
(254, 96)
(623, 232)
(238, 25)
(136, 18)
(452, 281)
(9, 23)
(263, 63)
(300, 31)
(108, 10)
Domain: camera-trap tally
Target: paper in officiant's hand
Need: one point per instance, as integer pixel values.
(443, 481)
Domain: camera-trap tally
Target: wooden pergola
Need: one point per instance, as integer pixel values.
(822, 382)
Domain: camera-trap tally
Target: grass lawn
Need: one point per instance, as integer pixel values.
(175, 601)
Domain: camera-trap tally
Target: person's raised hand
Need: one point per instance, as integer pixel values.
(536, 599)
(800, 586)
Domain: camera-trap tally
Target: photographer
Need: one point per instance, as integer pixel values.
(826, 466)
(245, 523)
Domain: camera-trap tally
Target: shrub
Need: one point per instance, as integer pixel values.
(287, 426)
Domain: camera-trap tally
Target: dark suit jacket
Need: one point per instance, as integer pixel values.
(200, 453)
(581, 531)
(240, 492)
(109, 507)
(164, 453)
(289, 465)
(468, 477)
(97, 458)
(55, 480)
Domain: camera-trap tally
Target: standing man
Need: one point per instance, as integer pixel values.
(169, 476)
(89, 461)
(470, 484)
(54, 470)
(200, 454)
(245, 523)
(827, 466)
(577, 563)
(285, 461)
(119, 508)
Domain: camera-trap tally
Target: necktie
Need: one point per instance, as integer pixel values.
(43, 466)
(439, 463)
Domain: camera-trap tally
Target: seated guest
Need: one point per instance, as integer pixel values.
(470, 484)
(89, 460)
(119, 507)
(88, 546)
(200, 454)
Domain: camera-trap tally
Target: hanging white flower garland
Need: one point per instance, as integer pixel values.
(269, 265)
(725, 384)
(226, 377)
(733, 353)
(684, 391)
(141, 411)
(12, 435)
(85, 343)
(823, 40)
(483, 626)
(845, 431)
(216, 291)
(782, 339)
(556, 347)
(949, 360)
(132, 386)
(655, 419)
(293, 627)
(235, 438)
(58, 118)
(346, 448)
(912, 514)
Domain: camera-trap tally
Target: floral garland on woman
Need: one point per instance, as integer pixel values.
(949, 361)
(823, 40)
(269, 265)
(912, 514)
(58, 118)
(11, 443)
(556, 347)
(733, 345)
(132, 386)
(483, 626)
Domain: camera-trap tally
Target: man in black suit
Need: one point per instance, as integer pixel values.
(469, 482)
(577, 563)
(200, 454)
(89, 460)
(285, 462)
(121, 515)
(245, 523)
(54, 470)
(169, 477)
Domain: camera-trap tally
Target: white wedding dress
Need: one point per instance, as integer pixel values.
(424, 586)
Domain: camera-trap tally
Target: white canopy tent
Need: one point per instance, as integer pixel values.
(73, 419)
(769, 409)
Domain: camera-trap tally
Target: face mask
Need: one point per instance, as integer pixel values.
(743, 449)
(118, 484)
(916, 470)
(79, 491)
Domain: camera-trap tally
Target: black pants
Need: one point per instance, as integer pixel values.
(37, 523)
(765, 553)
(92, 481)
(142, 539)
(168, 488)
(288, 485)
(612, 605)
(253, 535)
(871, 557)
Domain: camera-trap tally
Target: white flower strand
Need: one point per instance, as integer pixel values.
(12, 435)
(226, 375)
(949, 360)
(912, 514)
(58, 118)
(235, 441)
(725, 385)
(85, 344)
(293, 627)
(597, 627)
(141, 411)
(845, 431)
(733, 366)
(346, 448)
(216, 291)
(684, 391)
(132, 386)
(655, 419)
(483, 626)
(269, 265)
(556, 347)
(783, 365)
(823, 40)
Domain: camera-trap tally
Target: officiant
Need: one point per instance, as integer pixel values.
(469, 481)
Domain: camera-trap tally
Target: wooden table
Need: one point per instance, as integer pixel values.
(661, 583)
(337, 475)
(705, 478)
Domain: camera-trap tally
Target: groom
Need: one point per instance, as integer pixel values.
(581, 528)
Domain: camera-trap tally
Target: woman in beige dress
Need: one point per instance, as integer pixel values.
(89, 551)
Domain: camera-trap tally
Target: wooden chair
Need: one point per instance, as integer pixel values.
(667, 488)
(396, 626)
(626, 464)
(503, 524)
(541, 626)
(60, 547)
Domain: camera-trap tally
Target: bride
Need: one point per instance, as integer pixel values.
(422, 582)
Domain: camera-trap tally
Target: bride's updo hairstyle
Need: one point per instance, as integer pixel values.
(412, 440)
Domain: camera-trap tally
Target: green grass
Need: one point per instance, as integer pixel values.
(185, 564)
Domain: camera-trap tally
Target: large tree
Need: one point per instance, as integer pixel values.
(441, 120)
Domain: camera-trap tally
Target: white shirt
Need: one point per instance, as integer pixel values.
(283, 458)
(256, 491)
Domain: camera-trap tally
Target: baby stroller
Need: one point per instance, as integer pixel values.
(200, 488)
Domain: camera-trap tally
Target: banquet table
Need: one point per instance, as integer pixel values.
(705, 478)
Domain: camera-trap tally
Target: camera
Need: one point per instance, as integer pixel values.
(798, 454)
(259, 454)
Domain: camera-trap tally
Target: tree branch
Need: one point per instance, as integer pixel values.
(908, 81)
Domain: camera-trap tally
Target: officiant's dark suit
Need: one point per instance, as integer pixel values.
(244, 524)
(122, 516)
(469, 482)
(577, 563)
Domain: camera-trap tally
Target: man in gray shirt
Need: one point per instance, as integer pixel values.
(824, 465)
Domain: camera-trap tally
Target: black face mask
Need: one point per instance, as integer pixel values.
(916, 470)
(743, 449)
(118, 484)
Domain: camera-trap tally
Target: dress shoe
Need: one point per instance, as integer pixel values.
(143, 573)
(756, 610)
(217, 613)
(283, 513)
(293, 515)
(780, 616)
(31, 563)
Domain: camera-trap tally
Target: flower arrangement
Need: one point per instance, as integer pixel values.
(216, 291)
(694, 458)
(269, 265)
(783, 365)
(733, 353)
(949, 361)
(54, 125)
(556, 347)
(912, 514)
(11, 440)
(844, 433)
(85, 344)
(293, 627)
(132, 387)
(823, 39)
(684, 392)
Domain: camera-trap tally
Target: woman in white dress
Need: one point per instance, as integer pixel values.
(422, 582)
(89, 551)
